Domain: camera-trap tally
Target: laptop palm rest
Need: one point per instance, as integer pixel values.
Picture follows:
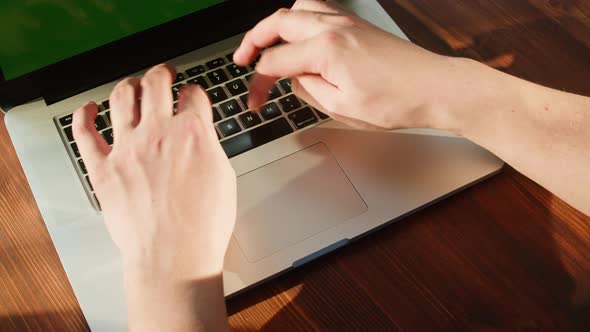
(292, 199)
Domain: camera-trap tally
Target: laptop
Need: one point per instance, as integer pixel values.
(307, 185)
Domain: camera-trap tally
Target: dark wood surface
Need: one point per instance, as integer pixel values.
(505, 255)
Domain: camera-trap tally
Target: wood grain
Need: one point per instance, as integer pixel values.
(505, 255)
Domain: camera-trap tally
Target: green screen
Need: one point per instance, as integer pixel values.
(35, 34)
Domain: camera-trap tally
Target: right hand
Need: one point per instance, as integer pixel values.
(345, 67)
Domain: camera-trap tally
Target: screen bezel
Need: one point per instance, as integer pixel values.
(133, 53)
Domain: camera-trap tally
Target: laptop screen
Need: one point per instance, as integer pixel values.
(35, 34)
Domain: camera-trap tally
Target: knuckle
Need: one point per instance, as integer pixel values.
(282, 11)
(332, 38)
(347, 20)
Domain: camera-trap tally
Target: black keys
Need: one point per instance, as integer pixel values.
(244, 99)
(89, 184)
(270, 111)
(108, 115)
(236, 87)
(82, 166)
(195, 71)
(176, 90)
(249, 119)
(230, 57)
(69, 134)
(175, 108)
(215, 63)
(229, 127)
(99, 123)
(75, 150)
(106, 105)
(217, 95)
(290, 103)
(199, 80)
(303, 118)
(179, 78)
(217, 77)
(256, 137)
(236, 71)
(323, 116)
(108, 136)
(66, 120)
(274, 93)
(286, 85)
(216, 115)
(230, 108)
(249, 77)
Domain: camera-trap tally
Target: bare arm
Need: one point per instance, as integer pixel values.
(543, 133)
(367, 78)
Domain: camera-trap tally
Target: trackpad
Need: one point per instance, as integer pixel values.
(292, 199)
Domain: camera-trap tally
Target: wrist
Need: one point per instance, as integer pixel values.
(469, 96)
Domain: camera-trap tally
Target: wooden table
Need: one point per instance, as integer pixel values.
(504, 255)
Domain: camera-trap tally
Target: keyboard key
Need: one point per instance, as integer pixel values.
(255, 62)
(217, 95)
(106, 105)
(199, 80)
(215, 63)
(303, 118)
(82, 166)
(179, 78)
(256, 137)
(249, 77)
(290, 103)
(176, 90)
(274, 93)
(75, 150)
(323, 116)
(216, 115)
(108, 136)
(108, 115)
(270, 111)
(236, 71)
(69, 134)
(175, 108)
(286, 85)
(244, 100)
(249, 119)
(230, 108)
(217, 77)
(196, 71)
(229, 127)
(230, 57)
(99, 123)
(236, 87)
(66, 120)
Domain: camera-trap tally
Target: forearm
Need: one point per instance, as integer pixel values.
(541, 132)
(162, 305)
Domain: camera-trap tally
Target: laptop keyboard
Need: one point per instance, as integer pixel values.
(238, 128)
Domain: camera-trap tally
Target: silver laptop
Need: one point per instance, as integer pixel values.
(307, 185)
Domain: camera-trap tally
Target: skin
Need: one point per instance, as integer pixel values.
(168, 192)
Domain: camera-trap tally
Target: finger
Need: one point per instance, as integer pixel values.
(157, 99)
(93, 147)
(290, 26)
(316, 91)
(278, 62)
(194, 99)
(329, 7)
(125, 105)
